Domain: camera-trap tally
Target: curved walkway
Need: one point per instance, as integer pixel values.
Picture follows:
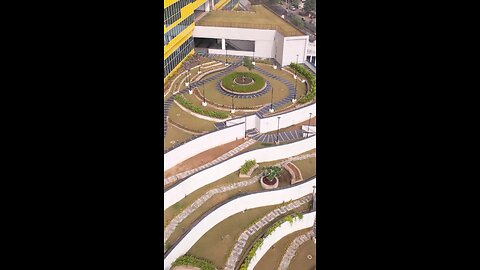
(168, 103)
(209, 194)
(242, 240)
(292, 249)
(223, 157)
(255, 95)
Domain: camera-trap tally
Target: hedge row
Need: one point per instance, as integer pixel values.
(247, 166)
(187, 104)
(258, 83)
(192, 261)
(311, 80)
(270, 230)
(199, 95)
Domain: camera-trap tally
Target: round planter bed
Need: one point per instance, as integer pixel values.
(267, 184)
(243, 83)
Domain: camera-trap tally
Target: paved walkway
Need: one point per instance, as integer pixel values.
(292, 249)
(223, 157)
(172, 225)
(242, 240)
(255, 95)
(272, 137)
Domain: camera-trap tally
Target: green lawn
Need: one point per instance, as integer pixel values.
(273, 257)
(175, 134)
(215, 249)
(185, 119)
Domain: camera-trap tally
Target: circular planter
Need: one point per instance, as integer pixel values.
(267, 184)
(234, 82)
(242, 81)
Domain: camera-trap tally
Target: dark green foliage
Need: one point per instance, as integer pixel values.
(270, 230)
(258, 83)
(298, 22)
(311, 80)
(247, 62)
(295, 3)
(185, 103)
(310, 5)
(272, 171)
(192, 261)
(247, 166)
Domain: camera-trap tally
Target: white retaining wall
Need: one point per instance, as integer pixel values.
(282, 231)
(202, 144)
(287, 119)
(233, 207)
(231, 165)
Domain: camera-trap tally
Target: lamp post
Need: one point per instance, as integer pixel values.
(271, 103)
(308, 127)
(278, 129)
(253, 60)
(313, 197)
(189, 84)
(233, 106)
(295, 94)
(226, 61)
(245, 125)
(204, 103)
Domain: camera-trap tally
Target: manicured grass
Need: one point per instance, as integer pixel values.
(280, 92)
(175, 134)
(171, 212)
(261, 19)
(228, 82)
(273, 257)
(300, 261)
(213, 248)
(200, 110)
(308, 167)
(185, 119)
(301, 87)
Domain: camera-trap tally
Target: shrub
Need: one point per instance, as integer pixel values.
(247, 62)
(258, 83)
(311, 80)
(247, 166)
(272, 172)
(187, 104)
(192, 261)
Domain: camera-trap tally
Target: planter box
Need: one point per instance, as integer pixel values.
(287, 166)
(249, 173)
(265, 186)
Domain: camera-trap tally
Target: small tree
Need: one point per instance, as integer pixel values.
(297, 21)
(295, 3)
(271, 172)
(247, 62)
(310, 5)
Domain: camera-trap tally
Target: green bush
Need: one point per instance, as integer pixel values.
(270, 230)
(311, 80)
(258, 83)
(192, 261)
(247, 166)
(187, 104)
(247, 62)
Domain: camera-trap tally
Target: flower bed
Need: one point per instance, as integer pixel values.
(311, 80)
(187, 104)
(228, 82)
(247, 169)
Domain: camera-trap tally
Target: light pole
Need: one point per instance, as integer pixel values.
(189, 83)
(295, 94)
(271, 103)
(278, 129)
(226, 61)
(253, 60)
(308, 127)
(204, 103)
(245, 125)
(233, 106)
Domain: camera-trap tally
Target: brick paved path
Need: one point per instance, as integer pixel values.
(272, 137)
(242, 240)
(223, 157)
(292, 249)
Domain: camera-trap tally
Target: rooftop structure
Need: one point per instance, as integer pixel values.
(259, 18)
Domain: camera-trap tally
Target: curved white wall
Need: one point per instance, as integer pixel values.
(233, 207)
(282, 231)
(229, 166)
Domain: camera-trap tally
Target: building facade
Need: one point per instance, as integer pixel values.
(178, 24)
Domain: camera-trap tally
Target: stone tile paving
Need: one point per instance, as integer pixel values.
(282, 136)
(292, 249)
(185, 213)
(238, 248)
(223, 157)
